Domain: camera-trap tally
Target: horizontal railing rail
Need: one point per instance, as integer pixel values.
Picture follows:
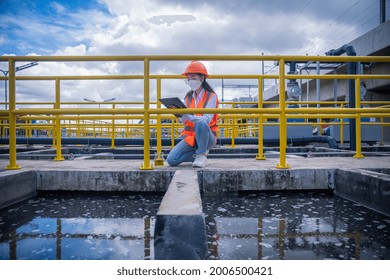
(152, 114)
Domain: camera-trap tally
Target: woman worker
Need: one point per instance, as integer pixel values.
(200, 130)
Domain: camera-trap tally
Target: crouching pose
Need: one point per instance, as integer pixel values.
(200, 130)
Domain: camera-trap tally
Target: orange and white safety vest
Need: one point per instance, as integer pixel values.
(188, 130)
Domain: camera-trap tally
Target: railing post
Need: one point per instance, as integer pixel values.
(58, 133)
(260, 154)
(381, 143)
(53, 131)
(113, 130)
(146, 165)
(234, 131)
(127, 127)
(173, 133)
(282, 120)
(159, 160)
(358, 153)
(78, 127)
(29, 130)
(342, 127)
(12, 117)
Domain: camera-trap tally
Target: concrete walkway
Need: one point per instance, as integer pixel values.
(213, 164)
(180, 228)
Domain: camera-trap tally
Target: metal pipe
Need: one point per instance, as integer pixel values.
(282, 119)
(382, 11)
(58, 135)
(193, 57)
(159, 161)
(167, 141)
(223, 111)
(318, 91)
(12, 117)
(351, 70)
(260, 152)
(335, 89)
(358, 136)
(113, 130)
(146, 165)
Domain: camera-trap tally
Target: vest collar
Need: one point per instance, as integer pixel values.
(198, 98)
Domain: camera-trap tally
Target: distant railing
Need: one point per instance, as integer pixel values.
(57, 115)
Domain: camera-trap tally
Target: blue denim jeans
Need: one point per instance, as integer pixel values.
(204, 140)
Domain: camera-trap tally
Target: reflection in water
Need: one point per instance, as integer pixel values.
(79, 226)
(293, 226)
(252, 226)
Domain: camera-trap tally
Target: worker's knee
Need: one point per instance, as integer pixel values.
(171, 160)
(201, 125)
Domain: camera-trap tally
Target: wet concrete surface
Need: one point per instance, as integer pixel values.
(293, 226)
(266, 225)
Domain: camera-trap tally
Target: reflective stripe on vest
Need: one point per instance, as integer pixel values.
(213, 129)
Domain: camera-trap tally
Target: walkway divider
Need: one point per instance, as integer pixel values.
(180, 229)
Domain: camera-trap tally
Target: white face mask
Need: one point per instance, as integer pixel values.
(194, 84)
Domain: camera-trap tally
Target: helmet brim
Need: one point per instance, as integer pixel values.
(185, 74)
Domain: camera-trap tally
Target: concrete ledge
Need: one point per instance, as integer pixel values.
(259, 180)
(103, 156)
(182, 196)
(16, 186)
(380, 170)
(369, 188)
(180, 229)
(72, 180)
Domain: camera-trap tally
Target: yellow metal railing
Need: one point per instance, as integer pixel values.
(95, 126)
(57, 114)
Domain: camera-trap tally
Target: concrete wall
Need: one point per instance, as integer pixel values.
(374, 42)
(255, 180)
(17, 186)
(369, 134)
(369, 188)
(104, 181)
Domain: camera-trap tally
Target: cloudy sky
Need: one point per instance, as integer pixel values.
(131, 27)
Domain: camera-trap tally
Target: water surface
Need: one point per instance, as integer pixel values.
(271, 225)
(76, 226)
(294, 226)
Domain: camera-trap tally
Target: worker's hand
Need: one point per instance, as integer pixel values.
(174, 107)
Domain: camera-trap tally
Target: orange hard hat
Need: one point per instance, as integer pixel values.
(197, 68)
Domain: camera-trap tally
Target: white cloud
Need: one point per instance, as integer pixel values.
(121, 33)
(170, 19)
(75, 50)
(169, 27)
(58, 7)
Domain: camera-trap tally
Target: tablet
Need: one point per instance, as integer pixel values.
(173, 101)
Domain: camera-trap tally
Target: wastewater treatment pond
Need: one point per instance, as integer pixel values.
(294, 226)
(276, 225)
(74, 226)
